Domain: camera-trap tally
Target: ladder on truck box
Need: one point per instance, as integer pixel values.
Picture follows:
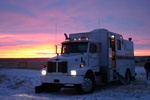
(121, 78)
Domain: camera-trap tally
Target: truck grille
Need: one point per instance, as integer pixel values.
(51, 67)
(60, 67)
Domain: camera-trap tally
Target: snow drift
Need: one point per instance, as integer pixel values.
(19, 84)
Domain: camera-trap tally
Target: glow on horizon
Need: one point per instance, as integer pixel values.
(42, 49)
(30, 45)
(47, 52)
(141, 52)
(41, 45)
(39, 51)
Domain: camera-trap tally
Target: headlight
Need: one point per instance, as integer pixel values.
(73, 72)
(43, 72)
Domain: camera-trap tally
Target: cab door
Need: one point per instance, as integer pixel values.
(113, 52)
(115, 46)
(93, 57)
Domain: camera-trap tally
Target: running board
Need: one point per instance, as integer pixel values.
(121, 78)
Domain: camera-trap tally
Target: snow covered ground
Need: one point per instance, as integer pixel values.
(18, 84)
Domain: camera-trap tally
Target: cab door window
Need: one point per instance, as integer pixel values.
(93, 48)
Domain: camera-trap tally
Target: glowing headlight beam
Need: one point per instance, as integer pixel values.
(73, 72)
(43, 72)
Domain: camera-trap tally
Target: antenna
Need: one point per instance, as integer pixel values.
(99, 22)
(55, 33)
(77, 28)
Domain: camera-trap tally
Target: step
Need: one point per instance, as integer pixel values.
(121, 78)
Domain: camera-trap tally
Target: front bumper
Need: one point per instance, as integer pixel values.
(62, 79)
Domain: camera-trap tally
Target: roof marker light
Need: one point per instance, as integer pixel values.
(86, 38)
(74, 39)
(112, 36)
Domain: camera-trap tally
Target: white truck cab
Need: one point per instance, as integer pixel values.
(87, 59)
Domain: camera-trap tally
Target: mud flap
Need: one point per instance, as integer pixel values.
(47, 87)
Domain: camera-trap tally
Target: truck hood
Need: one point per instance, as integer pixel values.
(73, 60)
(67, 57)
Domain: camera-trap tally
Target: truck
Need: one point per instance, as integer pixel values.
(88, 59)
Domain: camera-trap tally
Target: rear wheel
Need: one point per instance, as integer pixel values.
(87, 86)
(128, 76)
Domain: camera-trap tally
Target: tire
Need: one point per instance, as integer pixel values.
(87, 87)
(128, 76)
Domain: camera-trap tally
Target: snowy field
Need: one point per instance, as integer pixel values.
(18, 84)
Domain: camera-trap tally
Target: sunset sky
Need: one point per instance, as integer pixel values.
(28, 27)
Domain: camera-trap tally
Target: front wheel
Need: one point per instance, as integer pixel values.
(87, 86)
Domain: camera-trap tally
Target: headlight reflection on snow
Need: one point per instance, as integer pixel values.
(30, 96)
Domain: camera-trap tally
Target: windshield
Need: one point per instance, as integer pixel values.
(74, 47)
